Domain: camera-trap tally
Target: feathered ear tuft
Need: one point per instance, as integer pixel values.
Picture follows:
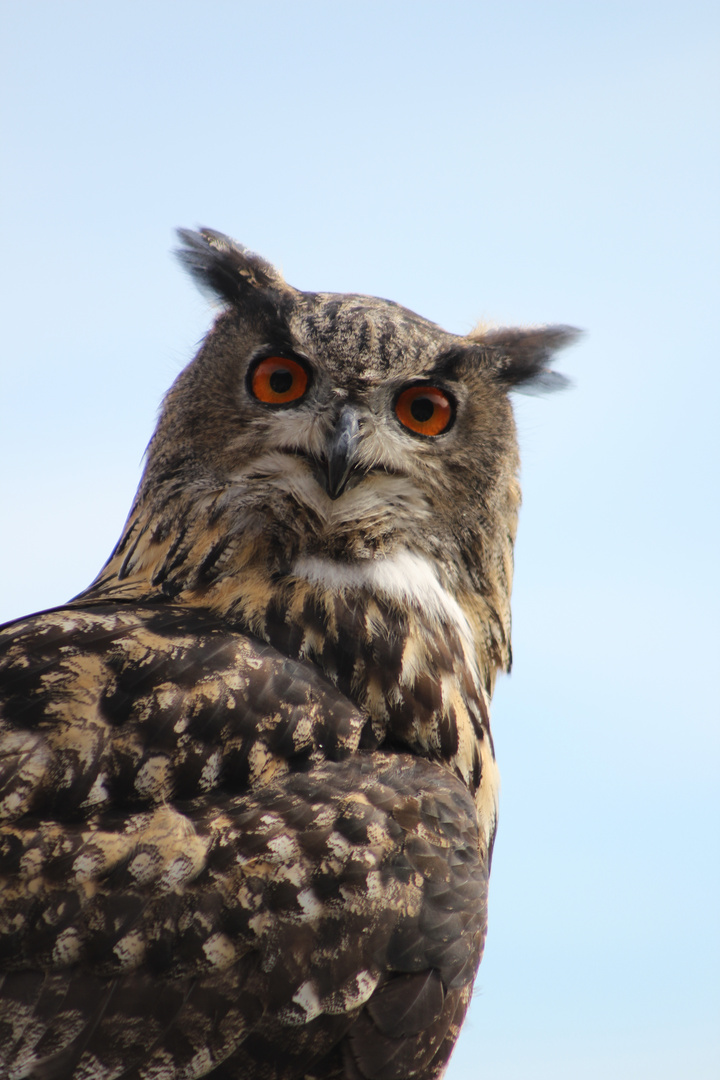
(521, 358)
(223, 268)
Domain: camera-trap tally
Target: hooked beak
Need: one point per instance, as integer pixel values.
(342, 451)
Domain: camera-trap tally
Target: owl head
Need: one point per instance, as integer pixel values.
(333, 429)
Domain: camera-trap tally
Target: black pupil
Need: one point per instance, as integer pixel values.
(281, 381)
(422, 409)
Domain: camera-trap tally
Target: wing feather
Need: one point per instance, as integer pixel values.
(201, 872)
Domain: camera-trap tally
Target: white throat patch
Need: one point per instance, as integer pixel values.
(404, 577)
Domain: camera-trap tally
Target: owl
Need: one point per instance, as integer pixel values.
(248, 792)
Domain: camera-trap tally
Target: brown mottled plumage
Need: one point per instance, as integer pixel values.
(247, 784)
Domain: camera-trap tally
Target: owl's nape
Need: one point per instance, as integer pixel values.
(248, 790)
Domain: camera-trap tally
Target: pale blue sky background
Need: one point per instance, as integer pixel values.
(521, 162)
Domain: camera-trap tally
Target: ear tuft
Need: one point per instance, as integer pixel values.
(223, 268)
(521, 358)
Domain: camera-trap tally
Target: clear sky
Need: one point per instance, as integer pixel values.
(522, 162)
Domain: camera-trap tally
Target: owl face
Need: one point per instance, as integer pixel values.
(342, 426)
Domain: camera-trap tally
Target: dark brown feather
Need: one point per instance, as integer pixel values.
(274, 894)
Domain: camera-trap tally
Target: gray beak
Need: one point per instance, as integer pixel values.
(342, 450)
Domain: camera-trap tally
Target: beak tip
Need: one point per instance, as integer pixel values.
(341, 453)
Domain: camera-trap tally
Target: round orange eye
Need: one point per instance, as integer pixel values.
(277, 381)
(426, 410)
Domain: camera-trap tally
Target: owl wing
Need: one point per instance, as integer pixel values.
(208, 869)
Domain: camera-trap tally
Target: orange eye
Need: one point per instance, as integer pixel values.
(426, 410)
(277, 381)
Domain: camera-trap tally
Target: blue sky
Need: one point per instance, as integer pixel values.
(520, 162)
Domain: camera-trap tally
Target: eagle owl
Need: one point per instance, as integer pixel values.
(248, 792)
